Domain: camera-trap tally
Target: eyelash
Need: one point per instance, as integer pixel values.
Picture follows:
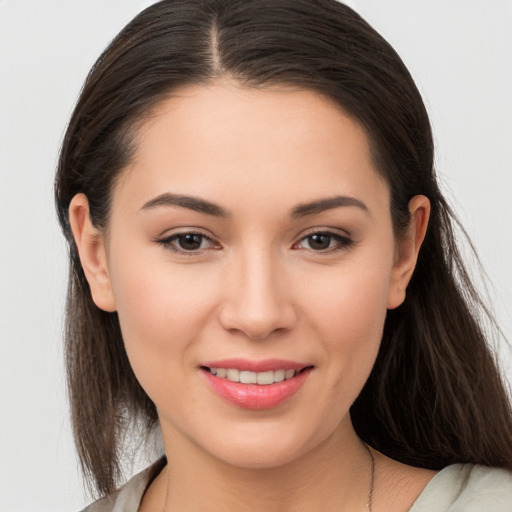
(341, 242)
(168, 242)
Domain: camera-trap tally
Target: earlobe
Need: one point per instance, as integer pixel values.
(408, 250)
(90, 244)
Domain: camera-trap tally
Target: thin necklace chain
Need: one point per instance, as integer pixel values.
(368, 505)
(372, 480)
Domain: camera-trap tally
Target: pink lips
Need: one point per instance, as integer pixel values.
(255, 396)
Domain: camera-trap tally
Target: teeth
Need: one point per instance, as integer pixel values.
(279, 375)
(265, 378)
(288, 374)
(233, 374)
(246, 377)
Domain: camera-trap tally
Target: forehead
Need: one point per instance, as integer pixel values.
(223, 138)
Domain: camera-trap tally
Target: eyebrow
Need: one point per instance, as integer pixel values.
(321, 205)
(208, 208)
(189, 202)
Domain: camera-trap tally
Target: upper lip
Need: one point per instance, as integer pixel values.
(264, 365)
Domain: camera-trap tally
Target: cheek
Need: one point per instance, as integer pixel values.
(161, 312)
(348, 317)
(353, 303)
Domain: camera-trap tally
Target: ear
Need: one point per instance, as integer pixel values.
(407, 250)
(90, 243)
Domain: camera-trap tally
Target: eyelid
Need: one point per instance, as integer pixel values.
(166, 240)
(344, 239)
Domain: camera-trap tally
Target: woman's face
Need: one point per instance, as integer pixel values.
(253, 234)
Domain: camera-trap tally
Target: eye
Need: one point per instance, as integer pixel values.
(324, 241)
(188, 242)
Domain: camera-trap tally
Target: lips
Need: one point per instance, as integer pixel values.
(255, 384)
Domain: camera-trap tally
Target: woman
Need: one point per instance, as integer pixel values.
(263, 267)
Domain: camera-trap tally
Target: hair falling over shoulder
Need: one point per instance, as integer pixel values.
(435, 395)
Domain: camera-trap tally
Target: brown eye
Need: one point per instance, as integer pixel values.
(324, 242)
(190, 241)
(319, 242)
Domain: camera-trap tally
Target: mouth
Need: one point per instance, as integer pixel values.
(255, 386)
(266, 378)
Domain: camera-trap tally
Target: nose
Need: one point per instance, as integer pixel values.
(257, 300)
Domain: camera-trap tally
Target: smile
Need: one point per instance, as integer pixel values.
(247, 377)
(256, 386)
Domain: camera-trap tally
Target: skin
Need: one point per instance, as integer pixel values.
(257, 288)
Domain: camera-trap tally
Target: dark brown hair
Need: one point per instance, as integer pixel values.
(435, 395)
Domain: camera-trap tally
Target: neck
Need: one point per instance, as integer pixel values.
(334, 476)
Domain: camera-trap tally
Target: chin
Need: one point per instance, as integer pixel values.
(264, 447)
(260, 458)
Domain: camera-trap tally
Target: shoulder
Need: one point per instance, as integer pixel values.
(467, 488)
(128, 497)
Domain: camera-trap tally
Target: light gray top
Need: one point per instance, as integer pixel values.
(467, 488)
(457, 488)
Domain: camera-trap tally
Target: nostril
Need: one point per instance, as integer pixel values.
(257, 313)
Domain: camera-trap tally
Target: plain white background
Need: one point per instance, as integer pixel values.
(460, 53)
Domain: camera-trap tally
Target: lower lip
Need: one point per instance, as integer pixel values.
(255, 396)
